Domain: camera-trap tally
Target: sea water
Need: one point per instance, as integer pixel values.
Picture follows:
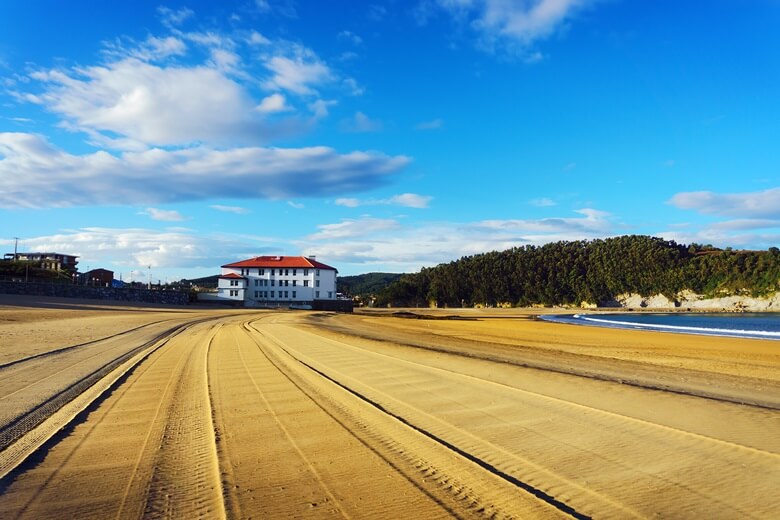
(742, 325)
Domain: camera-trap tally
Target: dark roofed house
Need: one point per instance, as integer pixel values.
(48, 261)
(100, 277)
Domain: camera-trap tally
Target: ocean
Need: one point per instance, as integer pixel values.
(742, 325)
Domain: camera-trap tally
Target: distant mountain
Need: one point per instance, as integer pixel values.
(365, 284)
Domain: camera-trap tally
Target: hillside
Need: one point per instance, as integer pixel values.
(365, 284)
(595, 271)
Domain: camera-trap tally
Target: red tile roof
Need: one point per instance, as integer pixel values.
(300, 262)
(231, 275)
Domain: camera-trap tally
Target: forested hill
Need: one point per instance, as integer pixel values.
(590, 271)
(365, 285)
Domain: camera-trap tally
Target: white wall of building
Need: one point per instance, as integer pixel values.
(284, 285)
(231, 288)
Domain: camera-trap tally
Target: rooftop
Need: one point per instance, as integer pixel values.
(301, 262)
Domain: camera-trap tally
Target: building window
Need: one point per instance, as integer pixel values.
(295, 282)
(261, 272)
(306, 283)
(286, 294)
(287, 283)
(330, 294)
(318, 272)
(294, 296)
(256, 282)
(280, 272)
(287, 272)
(305, 272)
(272, 283)
(317, 283)
(317, 294)
(295, 271)
(233, 292)
(272, 294)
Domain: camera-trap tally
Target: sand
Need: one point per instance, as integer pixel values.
(247, 414)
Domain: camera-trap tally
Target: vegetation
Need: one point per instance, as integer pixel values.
(209, 282)
(365, 285)
(31, 271)
(590, 271)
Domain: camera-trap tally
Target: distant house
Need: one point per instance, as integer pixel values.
(100, 277)
(277, 281)
(48, 261)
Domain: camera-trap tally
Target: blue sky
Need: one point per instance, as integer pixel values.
(385, 135)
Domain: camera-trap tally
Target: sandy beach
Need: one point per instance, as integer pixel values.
(134, 412)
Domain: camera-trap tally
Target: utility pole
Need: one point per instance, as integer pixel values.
(16, 244)
(150, 277)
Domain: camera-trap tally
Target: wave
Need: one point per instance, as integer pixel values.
(684, 329)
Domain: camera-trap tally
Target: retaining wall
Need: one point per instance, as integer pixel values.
(95, 293)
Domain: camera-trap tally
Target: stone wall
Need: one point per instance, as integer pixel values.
(95, 293)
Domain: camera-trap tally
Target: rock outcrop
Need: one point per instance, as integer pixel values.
(688, 300)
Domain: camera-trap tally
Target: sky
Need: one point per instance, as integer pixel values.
(386, 135)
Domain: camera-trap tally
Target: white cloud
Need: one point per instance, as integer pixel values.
(33, 173)
(157, 106)
(255, 38)
(758, 204)
(388, 243)
(296, 205)
(273, 103)
(351, 37)
(433, 124)
(516, 23)
(163, 215)
(138, 247)
(593, 223)
(409, 200)
(353, 228)
(320, 107)
(543, 202)
(361, 123)
(238, 210)
(300, 72)
(174, 17)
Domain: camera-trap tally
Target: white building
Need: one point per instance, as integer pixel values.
(277, 281)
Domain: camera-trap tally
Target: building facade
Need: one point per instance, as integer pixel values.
(48, 261)
(277, 281)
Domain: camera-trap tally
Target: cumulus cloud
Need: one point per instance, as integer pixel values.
(273, 103)
(238, 210)
(361, 123)
(164, 215)
(408, 247)
(157, 106)
(300, 71)
(433, 124)
(758, 204)
(409, 200)
(506, 22)
(174, 17)
(138, 247)
(350, 37)
(33, 173)
(351, 228)
(543, 202)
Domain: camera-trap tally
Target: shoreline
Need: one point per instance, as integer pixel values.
(575, 319)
